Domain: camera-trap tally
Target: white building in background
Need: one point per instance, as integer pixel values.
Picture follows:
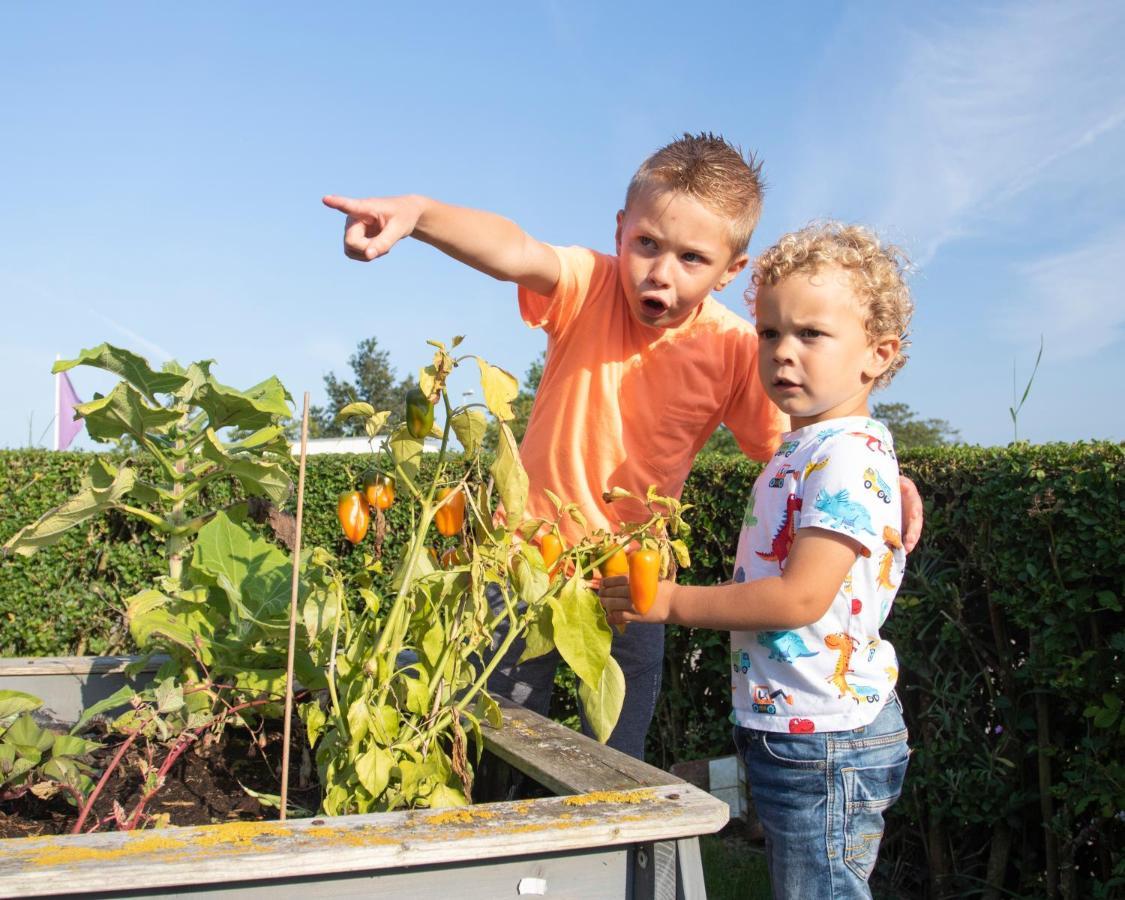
(359, 445)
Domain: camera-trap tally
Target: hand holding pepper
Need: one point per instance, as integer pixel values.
(617, 599)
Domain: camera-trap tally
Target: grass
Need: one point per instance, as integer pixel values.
(733, 870)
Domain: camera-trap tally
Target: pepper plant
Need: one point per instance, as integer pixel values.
(396, 684)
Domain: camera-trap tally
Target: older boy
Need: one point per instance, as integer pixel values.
(642, 363)
(817, 719)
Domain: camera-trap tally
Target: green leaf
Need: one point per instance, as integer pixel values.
(314, 718)
(134, 369)
(359, 721)
(444, 796)
(152, 614)
(539, 638)
(489, 710)
(28, 738)
(470, 426)
(169, 696)
(417, 693)
(254, 408)
(581, 634)
(257, 478)
(432, 643)
(374, 770)
(683, 558)
(407, 453)
(529, 575)
(118, 698)
(509, 474)
(603, 705)
(12, 703)
(124, 411)
(321, 608)
(86, 504)
(359, 408)
(254, 574)
(500, 388)
(68, 745)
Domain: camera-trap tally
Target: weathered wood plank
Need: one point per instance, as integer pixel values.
(262, 850)
(563, 760)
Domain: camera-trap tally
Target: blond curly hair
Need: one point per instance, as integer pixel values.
(710, 169)
(878, 272)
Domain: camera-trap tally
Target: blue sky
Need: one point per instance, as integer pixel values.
(163, 167)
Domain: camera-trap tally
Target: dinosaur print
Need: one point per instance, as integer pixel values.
(814, 465)
(845, 645)
(822, 436)
(873, 443)
(853, 516)
(783, 536)
(893, 540)
(785, 646)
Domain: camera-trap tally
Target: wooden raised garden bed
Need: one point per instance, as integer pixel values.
(614, 827)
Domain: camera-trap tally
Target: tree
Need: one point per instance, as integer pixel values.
(375, 382)
(911, 432)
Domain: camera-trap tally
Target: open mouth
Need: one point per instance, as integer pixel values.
(653, 307)
(784, 383)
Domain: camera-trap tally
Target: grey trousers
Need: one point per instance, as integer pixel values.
(639, 652)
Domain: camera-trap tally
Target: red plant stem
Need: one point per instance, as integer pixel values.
(84, 810)
(185, 740)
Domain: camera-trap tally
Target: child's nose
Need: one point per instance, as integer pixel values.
(658, 274)
(783, 350)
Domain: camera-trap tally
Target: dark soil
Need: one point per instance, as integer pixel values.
(203, 787)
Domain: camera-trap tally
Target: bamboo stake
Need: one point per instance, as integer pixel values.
(286, 727)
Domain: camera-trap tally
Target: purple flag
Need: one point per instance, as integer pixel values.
(66, 426)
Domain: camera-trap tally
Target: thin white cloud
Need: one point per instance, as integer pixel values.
(1074, 299)
(139, 340)
(988, 103)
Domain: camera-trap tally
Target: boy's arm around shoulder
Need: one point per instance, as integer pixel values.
(483, 240)
(818, 562)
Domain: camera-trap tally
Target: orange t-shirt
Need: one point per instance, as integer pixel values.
(622, 404)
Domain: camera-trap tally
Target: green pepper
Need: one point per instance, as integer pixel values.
(419, 414)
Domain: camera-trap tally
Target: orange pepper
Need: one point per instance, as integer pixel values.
(354, 516)
(450, 517)
(379, 489)
(616, 565)
(644, 576)
(551, 547)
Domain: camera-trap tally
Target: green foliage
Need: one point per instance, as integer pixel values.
(1009, 631)
(910, 432)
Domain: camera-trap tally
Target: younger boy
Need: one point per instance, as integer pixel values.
(642, 362)
(819, 560)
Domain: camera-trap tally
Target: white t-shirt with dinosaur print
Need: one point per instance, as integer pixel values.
(834, 675)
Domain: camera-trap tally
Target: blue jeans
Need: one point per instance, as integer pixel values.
(821, 798)
(639, 652)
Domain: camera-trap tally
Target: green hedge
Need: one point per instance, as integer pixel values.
(1008, 627)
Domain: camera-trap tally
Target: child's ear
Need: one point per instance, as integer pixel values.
(736, 265)
(617, 234)
(881, 353)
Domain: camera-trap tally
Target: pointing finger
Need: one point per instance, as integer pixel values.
(357, 208)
